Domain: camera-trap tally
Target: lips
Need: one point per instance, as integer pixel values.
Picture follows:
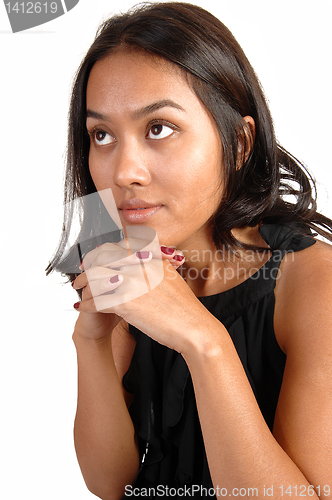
(138, 211)
(135, 203)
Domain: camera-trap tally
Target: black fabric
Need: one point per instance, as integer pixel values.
(164, 409)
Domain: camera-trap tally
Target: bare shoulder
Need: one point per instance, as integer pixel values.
(311, 265)
(304, 293)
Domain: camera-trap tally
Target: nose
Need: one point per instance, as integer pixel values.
(131, 165)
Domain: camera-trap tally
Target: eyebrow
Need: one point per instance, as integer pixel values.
(94, 114)
(140, 113)
(164, 103)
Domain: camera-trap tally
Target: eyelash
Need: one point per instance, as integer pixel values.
(92, 133)
(157, 121)
(160, 121)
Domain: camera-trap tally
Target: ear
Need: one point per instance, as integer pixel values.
(246, 140)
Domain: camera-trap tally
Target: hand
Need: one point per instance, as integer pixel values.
(169, 313)
(116, 254)
(101, 276)
(138, 239)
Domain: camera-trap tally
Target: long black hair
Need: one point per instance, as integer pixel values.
(223, 79)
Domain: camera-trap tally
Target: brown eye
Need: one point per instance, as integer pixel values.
(101, 138)
(156, 129)
(159, 131)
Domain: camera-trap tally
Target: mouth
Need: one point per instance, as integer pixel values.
(137, 211)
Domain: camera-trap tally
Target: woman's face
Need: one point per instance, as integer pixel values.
(155, 145)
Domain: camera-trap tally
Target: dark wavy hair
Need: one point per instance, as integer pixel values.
(224, 81)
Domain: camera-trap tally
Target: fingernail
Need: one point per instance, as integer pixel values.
(77, 305)
(72, 283)
(81, 266)
(98, 246)
(115, 279)
(142, 255)
(167, 250)
(178, 257)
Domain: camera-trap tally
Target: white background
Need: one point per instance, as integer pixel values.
(288, 42)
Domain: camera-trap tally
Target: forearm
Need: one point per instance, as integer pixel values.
(104, 433)
(241, 450)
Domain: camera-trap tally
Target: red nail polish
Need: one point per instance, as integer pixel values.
(143, 255)
(114, 279)
(77, 305)
(178, 257)
(167, 250)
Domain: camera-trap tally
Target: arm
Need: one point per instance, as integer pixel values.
(241, 451)
(103, 432)
(303, 423)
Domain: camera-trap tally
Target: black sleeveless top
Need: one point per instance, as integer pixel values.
(164, 409)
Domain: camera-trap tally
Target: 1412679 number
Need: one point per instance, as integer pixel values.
(32, 7)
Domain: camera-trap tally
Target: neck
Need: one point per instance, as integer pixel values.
(208, 270)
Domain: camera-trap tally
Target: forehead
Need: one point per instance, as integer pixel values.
(132, 78)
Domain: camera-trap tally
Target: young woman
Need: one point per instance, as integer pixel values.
(217, 381)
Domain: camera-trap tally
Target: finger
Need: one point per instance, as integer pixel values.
(175, 257)
(89, 305)
(94, 273)
(178, 259)
(167, 253)
(116, 258)
(80, 281)
(132, 245)
(86, 306)
(129, 260)
(119, 250)
(103, 286)
(90, 257)
(179, 256)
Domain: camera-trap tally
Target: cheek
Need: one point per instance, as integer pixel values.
(200, 164)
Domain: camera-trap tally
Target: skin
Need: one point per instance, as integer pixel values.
(180, 171)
